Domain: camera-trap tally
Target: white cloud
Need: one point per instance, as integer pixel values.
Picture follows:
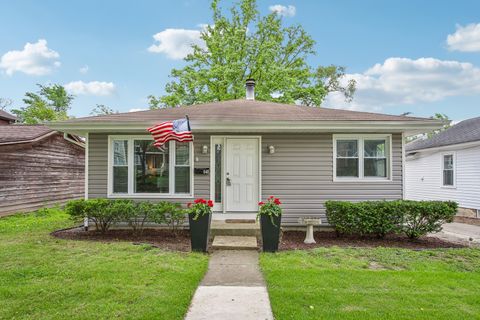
(176, 43)
(136, 109)
(35, 59)
(94, 88)
(465, 39)
(84, 69)
(286, 11)
(401, 81)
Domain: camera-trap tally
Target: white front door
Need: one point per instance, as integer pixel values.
(241, 174)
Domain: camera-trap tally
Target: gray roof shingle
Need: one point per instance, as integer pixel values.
(465, 131)
(243, 110)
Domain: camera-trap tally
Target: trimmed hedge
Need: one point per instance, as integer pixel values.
(413, 218)
(105, 212)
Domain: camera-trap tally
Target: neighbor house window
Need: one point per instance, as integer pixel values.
(448, 170)
(362, 157)
(137, 168)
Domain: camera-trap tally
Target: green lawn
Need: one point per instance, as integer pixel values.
(42, 277)
(383, 283)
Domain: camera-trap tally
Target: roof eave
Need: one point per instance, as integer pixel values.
(409, 127)
(459, 145)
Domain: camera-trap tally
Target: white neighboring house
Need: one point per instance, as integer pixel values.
(447, 167)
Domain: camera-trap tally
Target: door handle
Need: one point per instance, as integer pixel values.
(228, 182)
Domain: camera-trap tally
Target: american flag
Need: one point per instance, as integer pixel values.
(178, 130)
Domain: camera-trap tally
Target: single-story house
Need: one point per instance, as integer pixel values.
(447, 167)
(246, 150)
(38, 167)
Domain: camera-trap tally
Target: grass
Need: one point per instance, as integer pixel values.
(382, 283)
(42, 277)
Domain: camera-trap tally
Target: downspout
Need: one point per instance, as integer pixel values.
(85, 220)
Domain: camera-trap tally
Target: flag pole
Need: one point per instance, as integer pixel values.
(188, 122)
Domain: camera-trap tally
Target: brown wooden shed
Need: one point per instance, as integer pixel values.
(39, 167)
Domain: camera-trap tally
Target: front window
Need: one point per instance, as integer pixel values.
(138, 168)
(151, 168)
(182, 167)
(374, 158)
(120, 166)
(347, 158)
(362, 157)
(448, 170)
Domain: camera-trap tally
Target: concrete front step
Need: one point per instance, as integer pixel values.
(234, 243)
(222, 228)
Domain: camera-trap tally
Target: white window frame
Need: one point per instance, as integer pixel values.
(131, 159)
(454, 170)
(360, 144)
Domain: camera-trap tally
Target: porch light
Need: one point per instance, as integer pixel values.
(271, 149)
(204, 149)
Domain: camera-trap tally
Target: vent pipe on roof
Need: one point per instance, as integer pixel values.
(250, 86)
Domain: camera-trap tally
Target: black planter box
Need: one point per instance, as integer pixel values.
(270, 232)
(199, 232)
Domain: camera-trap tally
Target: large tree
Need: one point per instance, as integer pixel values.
(50, 102)
(244, 45)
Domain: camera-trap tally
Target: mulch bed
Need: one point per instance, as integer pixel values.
(293, 240)
(159, 238)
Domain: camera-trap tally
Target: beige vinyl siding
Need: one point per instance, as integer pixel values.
(300, 173)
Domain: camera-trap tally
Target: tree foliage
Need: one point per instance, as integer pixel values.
(438, 116)
(50, 102)
(244, 45)
(101, 109)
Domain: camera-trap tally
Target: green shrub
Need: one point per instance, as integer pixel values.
(422, 217)
(174, 215)
(364, 218)
(98, 210)
(140, 213)
(413, 218)
(105, 212)
(76, 209)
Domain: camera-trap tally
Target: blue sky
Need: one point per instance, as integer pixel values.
(417, 56)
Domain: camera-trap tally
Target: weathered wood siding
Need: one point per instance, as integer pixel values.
(42, 174)
(300, 172)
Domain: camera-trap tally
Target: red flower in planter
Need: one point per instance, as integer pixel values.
(200, 200)
(210, 203)
(261, 203)
(271, 197)
(277, 201)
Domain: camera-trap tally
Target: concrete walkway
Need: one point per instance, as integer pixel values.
(232, 289)
(462, 233)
